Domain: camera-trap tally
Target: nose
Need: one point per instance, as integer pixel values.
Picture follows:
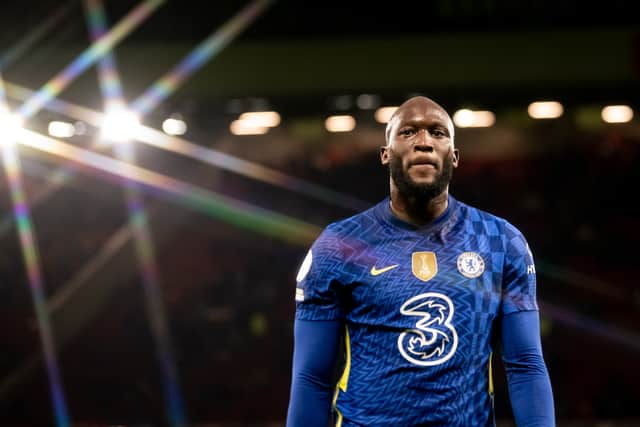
(423, 141)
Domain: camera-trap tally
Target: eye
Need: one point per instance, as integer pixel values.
(407, 131)
(440, 133)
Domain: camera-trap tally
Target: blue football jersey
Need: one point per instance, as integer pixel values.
(420, 306)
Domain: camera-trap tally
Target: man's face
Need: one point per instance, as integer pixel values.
(419, 151)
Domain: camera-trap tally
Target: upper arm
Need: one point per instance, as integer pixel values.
(316, 348)
(520, 336)
(319, 289)
(519, 274)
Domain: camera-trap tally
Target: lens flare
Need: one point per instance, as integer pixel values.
(32, 263)
(97, 50)
(233, 211)
(207, 49)
(121, 125)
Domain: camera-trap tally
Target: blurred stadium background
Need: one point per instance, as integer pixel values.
(151, 233)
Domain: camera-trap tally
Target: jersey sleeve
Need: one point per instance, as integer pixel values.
(315, 352)
(318, 287)
(529, 384)
(519, 275)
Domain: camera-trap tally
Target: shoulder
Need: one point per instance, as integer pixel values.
(493, 223)
(342, 238)
(350, 226)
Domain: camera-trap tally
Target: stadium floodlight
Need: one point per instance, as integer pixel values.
(383, 114)
(174, 126)
(545, 110)
(246, 127)
(343, 123)
(10, 127)
(617, 114)
(261, 118)
(473, 119)
(59, 129)
(119, 125)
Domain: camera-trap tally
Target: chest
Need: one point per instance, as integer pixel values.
(410, 275)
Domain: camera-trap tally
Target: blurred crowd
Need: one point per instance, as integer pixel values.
(227, 292)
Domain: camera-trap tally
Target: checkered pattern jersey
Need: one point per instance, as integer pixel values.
(420, 306)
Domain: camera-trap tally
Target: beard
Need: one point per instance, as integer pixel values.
(420, 192)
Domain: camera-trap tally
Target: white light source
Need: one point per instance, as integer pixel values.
(383, 114)
(344, 123)
(261, 118)
(242, 127)
(120, 125)
(174, 126)
(58, 129)
(617, 114)
(10, 126)
(469, 118)
(545, 110)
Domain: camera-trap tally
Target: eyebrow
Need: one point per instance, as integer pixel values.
(429, 123)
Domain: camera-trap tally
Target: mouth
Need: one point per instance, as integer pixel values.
(423, 164)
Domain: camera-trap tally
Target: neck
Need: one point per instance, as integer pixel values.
(417, 211)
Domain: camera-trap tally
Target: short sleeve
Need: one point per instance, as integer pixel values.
(318, 287)
(519, 276)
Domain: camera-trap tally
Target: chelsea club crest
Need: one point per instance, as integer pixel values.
(470, 264)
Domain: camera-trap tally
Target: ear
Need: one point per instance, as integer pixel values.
(456, 157)
(384, 154)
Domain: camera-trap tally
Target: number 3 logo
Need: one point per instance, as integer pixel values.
(434, 339)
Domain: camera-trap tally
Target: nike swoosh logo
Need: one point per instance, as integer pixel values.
(376, 272)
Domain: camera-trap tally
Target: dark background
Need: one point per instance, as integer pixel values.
(214, 304)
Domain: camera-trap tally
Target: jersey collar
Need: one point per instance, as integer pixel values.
(385, 214)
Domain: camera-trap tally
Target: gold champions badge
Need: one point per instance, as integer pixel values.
(424, 265)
